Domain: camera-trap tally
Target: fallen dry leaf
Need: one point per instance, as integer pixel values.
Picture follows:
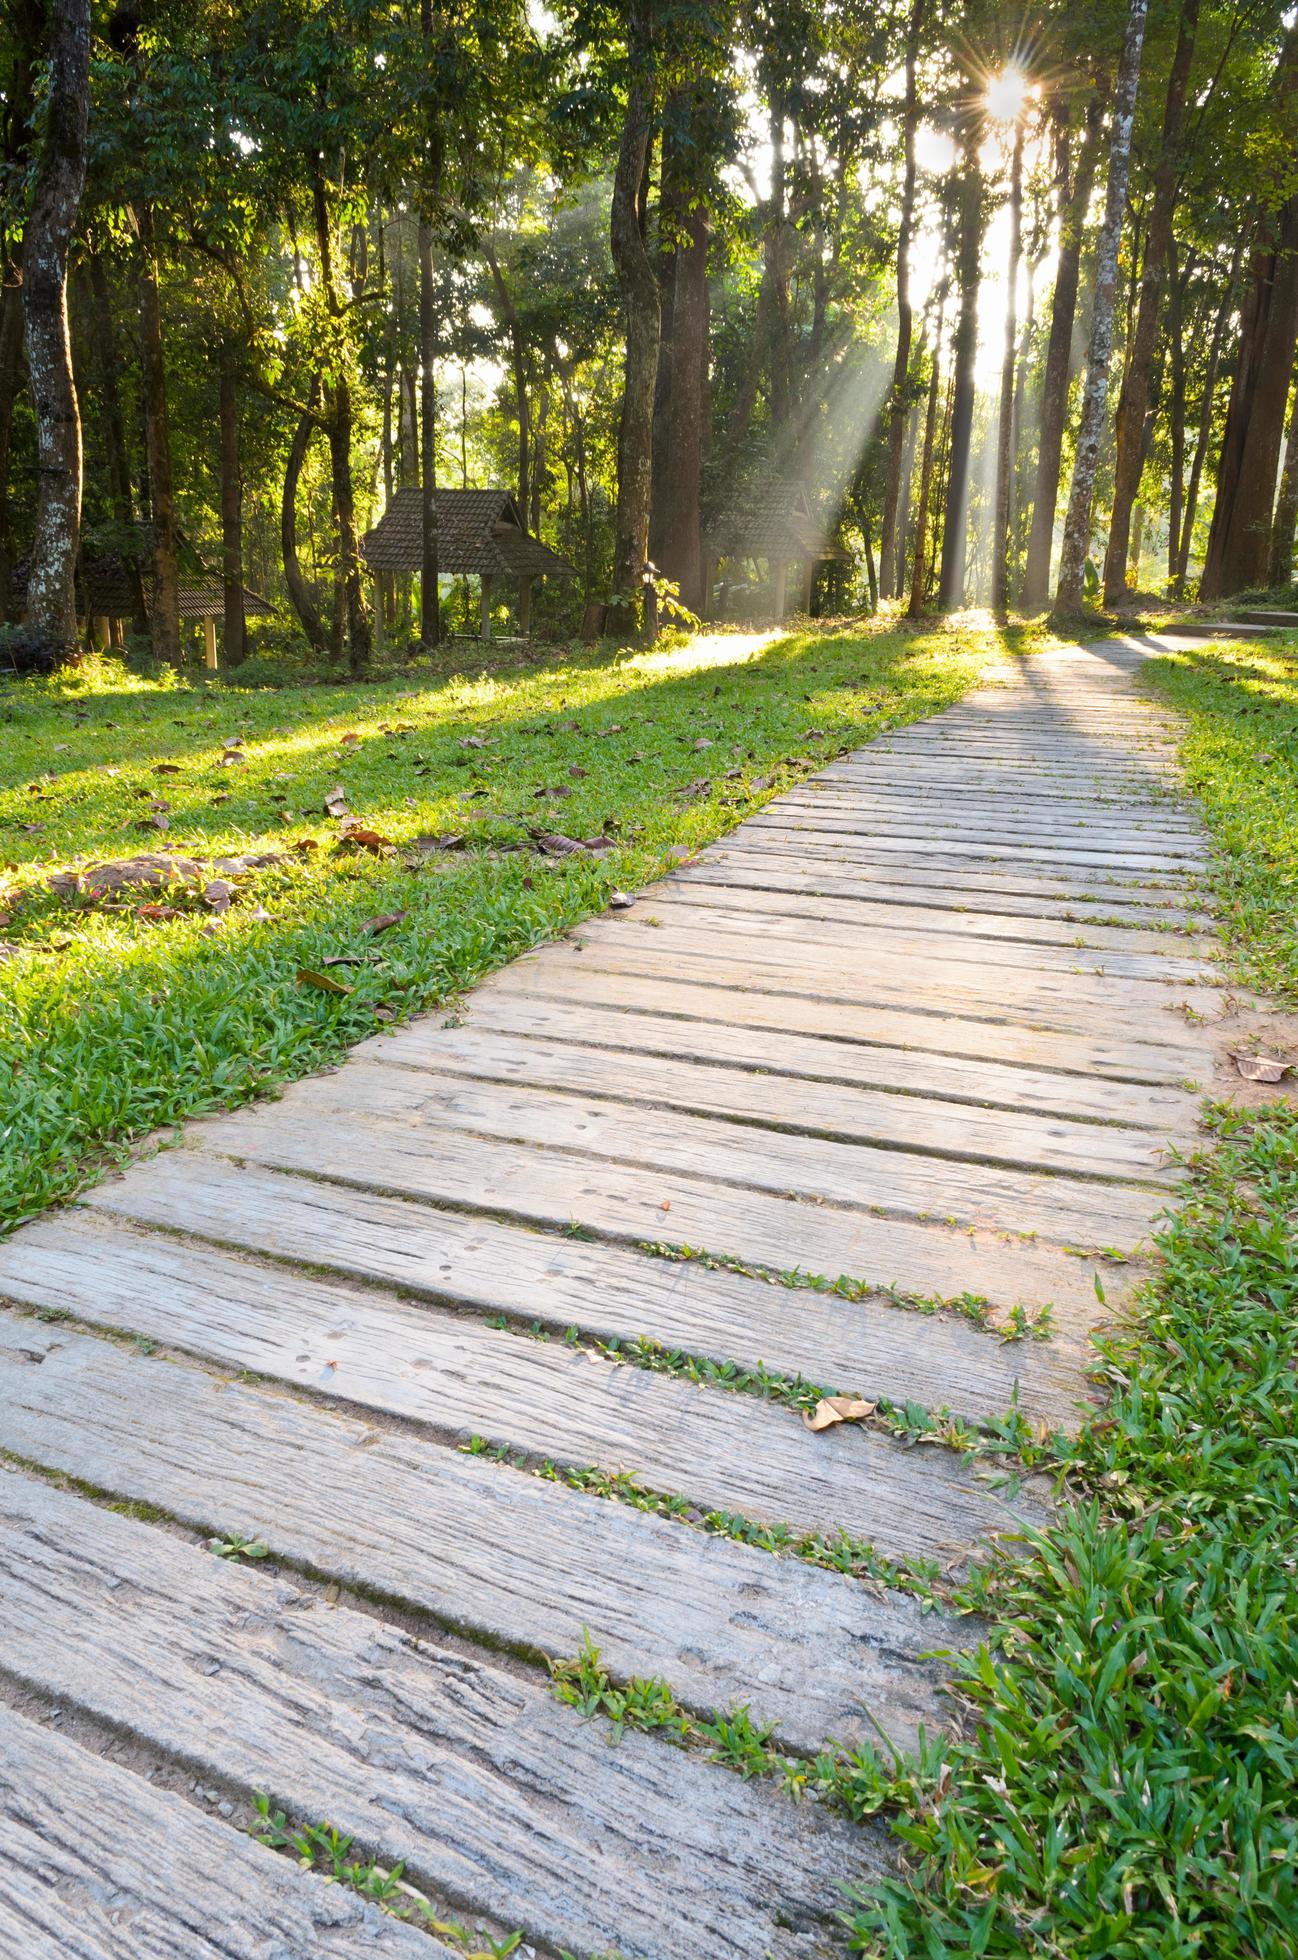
(308, 977)
(217, 893)
(349, 740)
(231, 756)
(361, 838)
(833, 1409)
(1262, 1068)
(335, 801)
(619, 901)
(427, 845)
(166, 768)
(382, 921)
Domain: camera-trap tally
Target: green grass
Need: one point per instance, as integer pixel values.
(1129, 1792)
(114, 1022)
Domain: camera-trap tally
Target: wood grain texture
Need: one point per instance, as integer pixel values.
(860, 1346)
(711, 1025)
(99, 1865)
(460, 1379)
(489, 1790)
(918, 1119)
(512, 1559)
(1067, 1210)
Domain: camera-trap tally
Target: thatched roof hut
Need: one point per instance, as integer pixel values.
(478, 531)
(769, 519)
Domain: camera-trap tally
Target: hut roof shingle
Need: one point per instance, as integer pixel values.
(206, 601)
(769, 516)
(477, 531)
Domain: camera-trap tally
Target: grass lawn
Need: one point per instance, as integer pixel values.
(1132, 1788)
(125, 1012)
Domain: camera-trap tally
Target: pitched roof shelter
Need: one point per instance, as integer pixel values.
(771, 518)
(208, 602)
(477, 531)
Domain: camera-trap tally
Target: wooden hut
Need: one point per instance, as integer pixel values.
(769, 521)
(480, 532)
(207, 602)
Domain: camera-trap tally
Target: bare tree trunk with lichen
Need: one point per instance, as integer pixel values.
(640, 299)
(51, 612)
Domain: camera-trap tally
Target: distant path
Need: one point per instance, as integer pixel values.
(921, 1022)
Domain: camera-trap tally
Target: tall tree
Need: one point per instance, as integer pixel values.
(964, 355)
(641, 305)
(1076, 182)
(1095, 389)
(1239, 542)
(891, 566)
(1005, 421)
(51, 613)
(1133, 401)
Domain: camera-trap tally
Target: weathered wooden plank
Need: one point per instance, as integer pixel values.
(508, 1557)
(490, 1791)
(1008, 889)
(710, 910)
(926, 914)
(99, 1865)
(988, 869)
(861, 1347)
(716, 1033)
(918, 1120)
(1106, 1056)
(1141, 1011)
(1067, 1209)
(1065, 857)
(460, 1379)
(676, 1207)
(990, 821)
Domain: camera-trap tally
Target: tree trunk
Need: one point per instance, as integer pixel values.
(682, 548)
(1240, 539)
(231, 510)
(1205, 423)
(964, 355)
(100, 314)
(51, 612)
(11, 342)
(518, 370)
(1176, 420)
(1134, 398)
(360, 639)
(1280, 563)
(298, 590)
(891, 567)
(1005, 426)
(1054, 387)
(776, 275)
(1077, 525)
(671, 218)
(430, 605)
(165, 613)
(639, 286)
(916, 607)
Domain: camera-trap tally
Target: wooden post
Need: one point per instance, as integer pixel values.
(484, 580)
(808, 584)
(379, 621)
(779, 579)
(209, 641)
(524, 606)
(117, 635)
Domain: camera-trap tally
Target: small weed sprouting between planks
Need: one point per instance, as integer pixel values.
(321, 1848)
(234, 1546)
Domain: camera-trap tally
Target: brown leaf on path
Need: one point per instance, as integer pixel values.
(335, 801)
(833, 1409)
(619, 901)
(381, 922)
(1262, 1068)
(384, 1014)
(308, 977)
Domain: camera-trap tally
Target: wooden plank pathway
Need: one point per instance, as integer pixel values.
(931, 1027)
